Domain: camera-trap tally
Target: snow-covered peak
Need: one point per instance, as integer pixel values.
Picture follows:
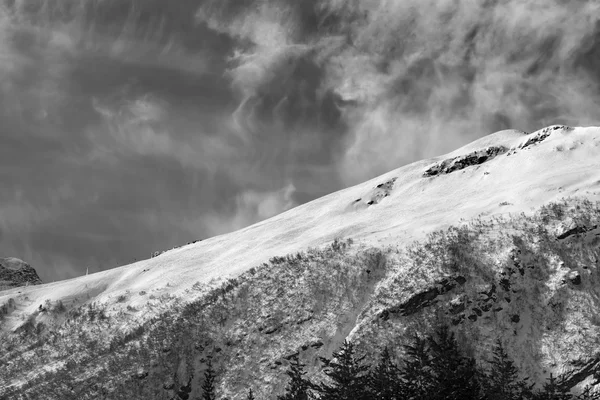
(403, 204)
(283, 276)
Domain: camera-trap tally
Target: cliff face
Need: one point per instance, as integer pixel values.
(15, 272)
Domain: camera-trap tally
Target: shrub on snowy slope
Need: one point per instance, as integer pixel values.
(519, 276)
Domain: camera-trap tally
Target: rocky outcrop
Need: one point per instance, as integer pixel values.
(15, 273)
(423, 299)
(480, 156)
(583, 369)
(461, 162)
(578, 230)
(542, 135)
(379, 192)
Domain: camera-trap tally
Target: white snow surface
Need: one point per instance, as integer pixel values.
(566, 163)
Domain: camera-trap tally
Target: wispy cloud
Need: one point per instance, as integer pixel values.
(419, 76)
(250, 206)
(129, 126)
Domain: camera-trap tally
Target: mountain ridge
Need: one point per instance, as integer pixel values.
(383, 216)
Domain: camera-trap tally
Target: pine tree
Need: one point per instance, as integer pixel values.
(557, 388)
(348, 374)
(554, 389)
(457, 377)
(416, 377)
(383, 380)
(208, 387)
(502, 381)
(250, 395)
(298, 387)
(588, 394)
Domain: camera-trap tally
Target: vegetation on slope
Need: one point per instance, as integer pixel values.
(522, 279)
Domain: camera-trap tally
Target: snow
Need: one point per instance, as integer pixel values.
(566, 163)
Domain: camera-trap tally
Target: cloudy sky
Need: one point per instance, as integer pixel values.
(128, 126)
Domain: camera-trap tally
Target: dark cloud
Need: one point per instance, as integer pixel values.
(133, 125)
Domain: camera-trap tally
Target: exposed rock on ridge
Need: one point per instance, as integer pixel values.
(481, 156)
(461, 162)
(15, 273)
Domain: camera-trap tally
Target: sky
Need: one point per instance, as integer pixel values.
(129, 126)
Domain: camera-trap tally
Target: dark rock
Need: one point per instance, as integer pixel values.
(15, 273)
(489, 293)
(543, 135)
(540, 137)
(457, 308)
(289, 357)
(272, 329)
(515, 318)
(427, 297)
(477, 311)
(575, 278)
(184, 391)
(457, 163)
(141, 374)
(461, 280)
(578, 230)
(382, 190)
(303, 320)
(317, 344)
(472, 317)
(583, 370)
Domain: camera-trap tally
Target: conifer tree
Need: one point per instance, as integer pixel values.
(298, 387)
(250, 395)
(416, 377)
(208, 387)
(554, 389)
(456, 376)
(383, 380)
(557, 388)
(347, 373)
(588, 394)
(502, 381)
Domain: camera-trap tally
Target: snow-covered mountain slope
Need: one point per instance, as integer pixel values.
(315, 300)
(400, 205)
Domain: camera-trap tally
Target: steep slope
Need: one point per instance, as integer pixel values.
(564, 164)
(222, 297)
(15, 272)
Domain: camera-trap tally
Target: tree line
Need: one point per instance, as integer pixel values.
(433, 368)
